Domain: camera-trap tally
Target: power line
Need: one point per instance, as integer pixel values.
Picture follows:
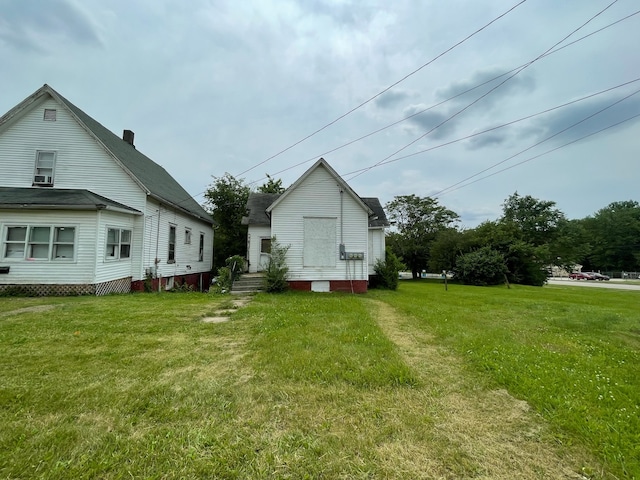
(485, 94)
(511, 122)
(519, 120)
(351, 142)
(541, 141)
(542, 154)
(386, 89)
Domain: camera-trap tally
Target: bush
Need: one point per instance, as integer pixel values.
(484, 266)
(387, 271)
(235, 264)
(223, 281)
(277, 271)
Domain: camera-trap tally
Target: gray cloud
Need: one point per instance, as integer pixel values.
(561, 119)
(489, 139)
(391, 99)
(430, 119)
(31, 26)
(519, 84)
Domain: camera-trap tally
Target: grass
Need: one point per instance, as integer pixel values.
(418, 383)
(571, 353)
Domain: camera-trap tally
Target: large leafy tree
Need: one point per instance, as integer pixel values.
(614, 232)
(417, 221)
(226, 199)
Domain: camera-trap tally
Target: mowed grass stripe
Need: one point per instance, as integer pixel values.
(571, 353)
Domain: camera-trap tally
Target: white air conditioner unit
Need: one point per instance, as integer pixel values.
(42, 179)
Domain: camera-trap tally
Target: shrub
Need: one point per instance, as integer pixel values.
(387, 271)
(277, 271)
(235, 264)
(223, 281)
(484, 266)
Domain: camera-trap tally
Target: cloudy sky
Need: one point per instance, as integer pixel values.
(215, 86)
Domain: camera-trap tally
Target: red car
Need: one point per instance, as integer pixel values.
(581, 276)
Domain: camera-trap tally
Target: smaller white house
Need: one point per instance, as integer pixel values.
(82, 211)
(334, 237)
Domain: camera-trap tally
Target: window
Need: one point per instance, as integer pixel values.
(171, 257)
(118, 244)
(201, 249)
(265, 245)
(49, 115)
(45, 164)
(39, 242)
(187, 235)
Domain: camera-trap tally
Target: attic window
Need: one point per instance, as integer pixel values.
(49, 115)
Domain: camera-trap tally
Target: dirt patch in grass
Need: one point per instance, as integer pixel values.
(33, 309)
(478, 432)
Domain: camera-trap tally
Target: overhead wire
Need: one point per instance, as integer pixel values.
(357, 107)
(537, 143)
(544, 153)
(519, 70)
(397, 122)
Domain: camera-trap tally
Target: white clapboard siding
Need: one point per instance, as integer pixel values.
(157, 223)
(376, 247)
(319, 196)
(81, 270)
(80, 161)
(107, 269)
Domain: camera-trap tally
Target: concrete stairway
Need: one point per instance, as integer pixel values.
(248, 283)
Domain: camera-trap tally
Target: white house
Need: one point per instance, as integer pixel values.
(333, 235)
(82, 211)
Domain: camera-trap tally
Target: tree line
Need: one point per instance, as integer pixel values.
(529, 237)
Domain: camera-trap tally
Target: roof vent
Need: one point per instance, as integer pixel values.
(127, 136)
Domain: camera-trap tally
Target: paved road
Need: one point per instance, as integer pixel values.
(593, 284)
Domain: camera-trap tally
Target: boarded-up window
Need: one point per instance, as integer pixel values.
(320, 242)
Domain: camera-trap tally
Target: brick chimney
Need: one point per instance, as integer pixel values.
(127, 136)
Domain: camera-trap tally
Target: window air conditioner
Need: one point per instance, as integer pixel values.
(42, 179)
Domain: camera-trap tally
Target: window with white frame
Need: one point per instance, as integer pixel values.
(45, 168)
(39, 242)
(171, 256)
(187, 236)
(118, 245)
(201, 248)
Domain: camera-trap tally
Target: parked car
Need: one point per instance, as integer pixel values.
(599, 276)
(581, 276)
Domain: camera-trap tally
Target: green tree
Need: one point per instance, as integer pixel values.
(615, 236)
(417, 221)
(226, 199)
(538, 221)
(271, 186)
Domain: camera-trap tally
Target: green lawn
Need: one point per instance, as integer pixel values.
(418, 383)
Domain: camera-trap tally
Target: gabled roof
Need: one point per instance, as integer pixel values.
(260, 205)
(58, 198)
(321, 163)
(151, 177)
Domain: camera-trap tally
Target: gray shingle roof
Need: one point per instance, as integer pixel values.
(57, 198)
(257, 206)
(155, 179)
(379, 218)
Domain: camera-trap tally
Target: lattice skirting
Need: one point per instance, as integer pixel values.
(121, 285)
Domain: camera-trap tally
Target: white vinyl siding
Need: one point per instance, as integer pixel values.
(72, 257)
(319, 196)
(376, 247)
(80, 161)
